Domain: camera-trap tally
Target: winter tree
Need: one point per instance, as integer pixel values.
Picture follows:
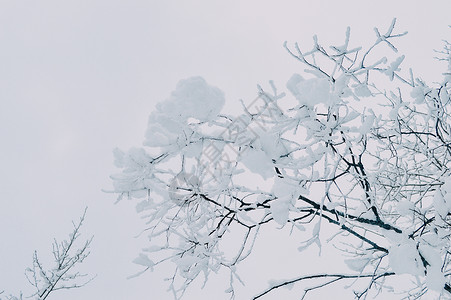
(67, 256)
(356, 147)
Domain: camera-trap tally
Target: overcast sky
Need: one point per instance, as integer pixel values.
(78, 78)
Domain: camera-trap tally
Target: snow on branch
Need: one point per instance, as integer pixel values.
(67, 255)
(355, 145)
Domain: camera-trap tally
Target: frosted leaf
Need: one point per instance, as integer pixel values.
(284, 188)
(404, 258)
(418, 94)
(367, 124)
(431, 254)
(311, 92)
(316, 229)
(280, 209)
(161, 131)
(293, 82)
(137, 158)
(171, 125)
(142, 206)
(118, 157)
(341, 88)
(313, 240)
(143, 260)
(187, 261)
(357, 264)
(444, 97)
(193, 150)
(435, 280)
(258, 162)
(182, 187)
(153, 248)
(393, 114)
(446, 187)
(137, 170)
(138, 194)
(362, 90)
(271, 144)
(195, 98)
(405, 208)
(155, 137)
(442, 204)
(350, 115)
(286, 192)
(394, 67)
(192, 98)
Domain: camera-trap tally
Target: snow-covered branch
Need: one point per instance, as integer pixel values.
(67, 256)
(358, 144)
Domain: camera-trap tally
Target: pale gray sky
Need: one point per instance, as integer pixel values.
(78, 78)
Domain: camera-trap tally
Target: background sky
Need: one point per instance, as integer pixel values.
(79, 78)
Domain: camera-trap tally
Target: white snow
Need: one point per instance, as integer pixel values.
(287, 192)
(280, 209)
(362, 90)
(340, 86)
(357, 264)
(435, 280)
(271, 144)
(367, 124)
(293, 82)
(161, 134)
(311, 92)
(143, 260)
(258, 162)
(404, 258)
(405, 208)
(394, 67)
(418, 94)
(442, 198)
(193, 97)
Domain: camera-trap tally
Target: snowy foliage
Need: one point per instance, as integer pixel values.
(374, 163)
